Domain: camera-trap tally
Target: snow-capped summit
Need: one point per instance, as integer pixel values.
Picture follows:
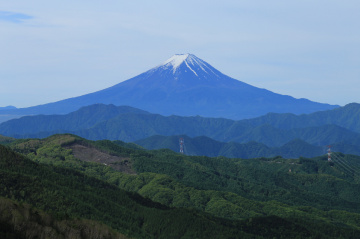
(191, 61)
(186, 85)
(176, 60)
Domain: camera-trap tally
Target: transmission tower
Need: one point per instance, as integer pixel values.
(181, 143)
(329, 153)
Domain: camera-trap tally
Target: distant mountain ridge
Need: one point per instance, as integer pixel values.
(83, 118)
(347, 117)
(205, 146)
(130, 124)
(185, 85)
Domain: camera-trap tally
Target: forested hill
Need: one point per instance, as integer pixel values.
(5, 140)
(67, 194)
(19, 220)
(257, 198)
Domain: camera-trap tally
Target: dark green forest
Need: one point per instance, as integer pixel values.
(162, 194)
(68, 194)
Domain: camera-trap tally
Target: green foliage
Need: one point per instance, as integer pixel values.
(258, 190)
(66, 194)
(310, 182)
(5, 140)
(19, 220)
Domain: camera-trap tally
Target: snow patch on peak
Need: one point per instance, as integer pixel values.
(191, 61)
(176, 60)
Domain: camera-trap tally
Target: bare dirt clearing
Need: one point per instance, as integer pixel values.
(90, 154)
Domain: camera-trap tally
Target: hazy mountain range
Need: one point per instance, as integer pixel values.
(339, 126)
(205, 146)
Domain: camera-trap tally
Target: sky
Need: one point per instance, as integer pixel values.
(53, 50)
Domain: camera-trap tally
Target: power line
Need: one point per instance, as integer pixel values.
(351, 165)
(181, 143)
(344, 165)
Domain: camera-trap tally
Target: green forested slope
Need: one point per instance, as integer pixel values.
(310, 183)
(19, 220)
(67, 194)
(5, 140)
(314, 195)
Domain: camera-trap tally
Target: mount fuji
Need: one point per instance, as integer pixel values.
(186, 85)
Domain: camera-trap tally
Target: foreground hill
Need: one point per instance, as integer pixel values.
(338, 127)
(185, 85)
(68, 194)
(21, 221)
(272, 197)
(5, 140)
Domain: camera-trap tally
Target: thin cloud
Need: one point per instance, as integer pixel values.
(14, 17)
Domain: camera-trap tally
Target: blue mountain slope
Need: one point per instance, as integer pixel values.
(186, 85)
(10, 107)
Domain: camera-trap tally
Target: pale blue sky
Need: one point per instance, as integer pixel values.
(52, 50)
